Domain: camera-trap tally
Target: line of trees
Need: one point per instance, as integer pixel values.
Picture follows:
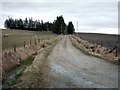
(27, 24)
(58, 26)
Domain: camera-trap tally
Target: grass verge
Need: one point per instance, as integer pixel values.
(81, 48)
(28, 62)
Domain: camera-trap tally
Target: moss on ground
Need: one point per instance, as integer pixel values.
(28, 60)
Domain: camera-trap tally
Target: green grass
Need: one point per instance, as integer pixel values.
(16, 78)
(28, 60)
(17, 37)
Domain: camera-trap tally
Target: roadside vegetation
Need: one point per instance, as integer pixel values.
(95, 50)
(35, 68)
(24, 57)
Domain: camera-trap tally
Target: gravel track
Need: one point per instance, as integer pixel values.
(69, 67)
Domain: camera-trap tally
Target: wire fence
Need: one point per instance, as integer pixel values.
(34, 42)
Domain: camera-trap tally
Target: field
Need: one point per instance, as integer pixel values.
(106, 40)
(17, 37)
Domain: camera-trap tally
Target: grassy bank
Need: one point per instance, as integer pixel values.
(38, 62)
(45, 51)
(88, 51)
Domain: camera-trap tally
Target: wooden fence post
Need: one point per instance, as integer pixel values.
(14, 48)
(30, 42)
(38, 40)
(24, 44)
(35, 42)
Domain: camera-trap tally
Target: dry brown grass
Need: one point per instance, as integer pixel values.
(95, 50)
(12, 59)
(31, 73)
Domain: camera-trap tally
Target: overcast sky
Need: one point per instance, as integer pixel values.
(99, 16)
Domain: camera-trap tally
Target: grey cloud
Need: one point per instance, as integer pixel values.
(94, 14)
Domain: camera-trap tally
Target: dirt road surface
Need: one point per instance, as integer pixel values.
(68, 67)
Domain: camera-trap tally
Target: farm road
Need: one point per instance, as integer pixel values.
(69, 67)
